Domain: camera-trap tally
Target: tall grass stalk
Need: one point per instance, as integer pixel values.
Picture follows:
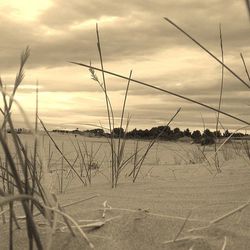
(5, 163)
(31, 228)
(117, 153)
(122, 137)
(61, 171)
(248, 6)
(19, 78)
(19, 172)
(30, 222)
(109, 111)
(216, 159)
(9, 179)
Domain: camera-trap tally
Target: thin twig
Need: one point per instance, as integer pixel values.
(230, 213)
(182, 226)
(188, 238)
(79, 201)
(212, 222)
(224, 243)
(217, 164)
(154, 214)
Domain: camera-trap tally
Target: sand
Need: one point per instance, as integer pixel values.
(150, 213)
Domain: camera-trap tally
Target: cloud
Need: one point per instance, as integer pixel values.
(136, 30)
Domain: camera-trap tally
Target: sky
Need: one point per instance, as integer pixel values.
(134, 36)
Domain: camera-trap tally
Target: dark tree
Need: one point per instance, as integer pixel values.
(177, 133)
(196, 136)
(217, 134)
(207, 137)
(226, 133)
(96, 131)
(118, 132)
(187, 132)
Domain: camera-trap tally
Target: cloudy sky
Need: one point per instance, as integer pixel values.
(134, 36)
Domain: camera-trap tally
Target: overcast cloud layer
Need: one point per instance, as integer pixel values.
(134, 36)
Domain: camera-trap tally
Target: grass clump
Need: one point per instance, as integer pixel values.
(21, 179)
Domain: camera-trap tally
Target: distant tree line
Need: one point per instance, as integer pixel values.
(162, 132)
(63, 131)
(166, 133)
